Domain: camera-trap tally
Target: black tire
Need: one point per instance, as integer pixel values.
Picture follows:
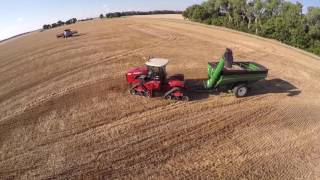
(185, 98)
(133, 92)
(171, 91)
(168, 97)
(240, 90)
(148, 94)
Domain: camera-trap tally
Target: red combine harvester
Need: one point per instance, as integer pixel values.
(145, 81)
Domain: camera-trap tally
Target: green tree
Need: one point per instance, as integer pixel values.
(313, 20)
(211, 9)
(60, 23)
(277, 19)
(224, 8)
(313, 15)
(199, 13)
(258, 11)
(196, 13)
(188, 12)
(249, 12)
(272, 7)
(237, 9)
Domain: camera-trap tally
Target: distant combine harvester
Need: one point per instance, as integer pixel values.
(67, 33)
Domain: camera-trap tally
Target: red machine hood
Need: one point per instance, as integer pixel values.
(138, 71)
(134, 73)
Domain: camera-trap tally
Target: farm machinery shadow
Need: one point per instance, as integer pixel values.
(79, 34)
(273, 86)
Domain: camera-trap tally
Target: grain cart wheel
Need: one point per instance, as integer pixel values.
(240, 90)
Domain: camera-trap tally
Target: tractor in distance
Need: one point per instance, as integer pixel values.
(224, 75)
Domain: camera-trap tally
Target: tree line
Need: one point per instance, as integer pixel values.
(276, 19)
(132, 13)
(60, 23)
(111, 15)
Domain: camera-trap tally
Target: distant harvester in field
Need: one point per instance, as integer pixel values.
(67, 33)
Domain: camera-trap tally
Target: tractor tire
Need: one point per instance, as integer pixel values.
(171, 91)
(240, 90)
(147, 94)
(133, 92)
(185, 98)
(168, 97)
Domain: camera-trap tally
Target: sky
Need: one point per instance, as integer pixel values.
(17, 17)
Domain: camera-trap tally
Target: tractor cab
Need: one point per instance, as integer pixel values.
(157, 69)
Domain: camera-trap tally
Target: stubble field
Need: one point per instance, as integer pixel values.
(65, 112)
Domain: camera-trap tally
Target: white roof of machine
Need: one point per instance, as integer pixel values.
(157, 62)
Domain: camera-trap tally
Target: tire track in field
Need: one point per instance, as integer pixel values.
(32, 56)
(145, 114)
(70, 132)
(193, 135)
(154, 113)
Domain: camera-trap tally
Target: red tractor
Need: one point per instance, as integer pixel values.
(145, 81)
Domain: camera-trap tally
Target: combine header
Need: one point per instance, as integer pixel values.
(222, 76)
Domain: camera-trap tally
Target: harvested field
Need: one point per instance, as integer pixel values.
(65, 112)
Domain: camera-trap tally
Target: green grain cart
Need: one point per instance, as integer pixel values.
(227, 75)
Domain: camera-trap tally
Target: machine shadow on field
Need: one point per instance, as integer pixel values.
(80, 34)
(274, 86)
(198, 91)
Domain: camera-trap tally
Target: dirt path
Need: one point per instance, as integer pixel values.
(65, 111)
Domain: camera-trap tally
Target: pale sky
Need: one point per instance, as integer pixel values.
(17, 17)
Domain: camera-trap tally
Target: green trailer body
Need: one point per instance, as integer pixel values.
(228, 75)
(222, 78)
